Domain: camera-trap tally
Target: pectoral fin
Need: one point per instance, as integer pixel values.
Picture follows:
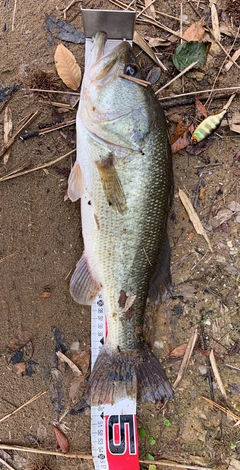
(83, 287)
(111, 184)
(75, 183)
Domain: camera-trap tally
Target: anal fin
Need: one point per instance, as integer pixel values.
(83, 286)
(111, 184)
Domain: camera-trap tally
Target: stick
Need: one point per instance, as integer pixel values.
(178, 76)
(186, 357)
(71, 364)
(139, 81)
(216, 374)
(221, 408)
(30, 119)
(171, 103)
(89, 457)
(45, 165)
(40, 394)
(47, 130)
(51, 91)
(3, 462)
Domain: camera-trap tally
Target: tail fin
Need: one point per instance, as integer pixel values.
(119, 375)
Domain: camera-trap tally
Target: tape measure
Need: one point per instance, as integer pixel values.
(113, 427)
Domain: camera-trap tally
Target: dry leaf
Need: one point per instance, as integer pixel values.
(62, 440)
(138, 39)
(179, 351)
(215, 23)
(74, 387)
(181, 128)
(20, 340)
(194, 217)
(44, 295)
(156, 42)
(81, 359)
(151, 9)
(19, 368)
(191, 235)
(222, 216)
(200, 110)
(195, 32)
(181, 142)
(67, 67)
(8, 127)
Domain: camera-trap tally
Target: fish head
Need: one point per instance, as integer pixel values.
(107, 98)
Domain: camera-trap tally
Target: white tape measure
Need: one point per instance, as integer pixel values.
(113, 427)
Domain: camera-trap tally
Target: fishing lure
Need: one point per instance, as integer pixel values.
(207, 127)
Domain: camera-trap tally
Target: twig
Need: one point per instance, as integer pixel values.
(45, 165)
(45, 452)
(199, 185)
(14, 13)
(145, 8)
(174, 465)
(51, 91)
(208, 364)
(71, 364)
(11, 141)
(221, 408)
(40, 394)
(68, 7)
(28, 135)
(89, 457)
(216, 374)
(196, 93)
(3, 462)
(232, 367)
(139, 81)
(182, 101)
(186, 357)
(178, 76)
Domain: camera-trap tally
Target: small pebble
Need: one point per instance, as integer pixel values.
(158, 344)
(202, 370)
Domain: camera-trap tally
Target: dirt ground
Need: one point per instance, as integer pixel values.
(41, 243)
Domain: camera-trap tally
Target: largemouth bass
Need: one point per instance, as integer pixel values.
(123, 174)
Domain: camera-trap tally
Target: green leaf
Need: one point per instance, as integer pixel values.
(167, 423)
(142, 432)
(152, 467)
(149, 456)
(189, 52)
(151, 440)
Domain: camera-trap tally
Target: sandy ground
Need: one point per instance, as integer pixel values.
(41, 243)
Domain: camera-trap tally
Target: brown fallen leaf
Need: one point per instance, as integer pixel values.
(138, 39)
(179, 351)
(182, 142)
(200, 110)
(151, 9)
(19, 368)
(234, 464)
(62, 440)
(191, 235)
(195, 32)
(20, 340)
(67, 67)
(44, 295)
(202, 194)
(194, 217)
(215, 23)
(181, 128)
(156, 42)
(81, 359)
(74, 387)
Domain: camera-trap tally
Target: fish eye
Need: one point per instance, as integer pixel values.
(131, 69)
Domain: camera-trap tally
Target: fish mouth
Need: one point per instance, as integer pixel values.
(105, 67)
